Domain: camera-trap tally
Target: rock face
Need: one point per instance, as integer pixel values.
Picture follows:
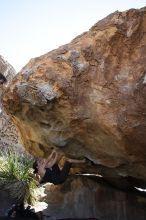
(87, 98)
(9, 135)
(83, 198)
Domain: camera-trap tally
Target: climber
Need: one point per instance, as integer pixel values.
(2, 79)
(47, 170)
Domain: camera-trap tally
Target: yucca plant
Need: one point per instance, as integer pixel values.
(16, 175)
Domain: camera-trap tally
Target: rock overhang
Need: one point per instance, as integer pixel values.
(87, 98)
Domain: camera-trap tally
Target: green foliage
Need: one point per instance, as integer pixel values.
(16, 175)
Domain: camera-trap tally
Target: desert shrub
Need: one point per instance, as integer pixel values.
(16, 175)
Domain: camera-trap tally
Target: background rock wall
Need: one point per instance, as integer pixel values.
(81, 197)
(9, 135)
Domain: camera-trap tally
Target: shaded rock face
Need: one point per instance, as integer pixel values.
(87, 98)
(9, 134)
(81, 197)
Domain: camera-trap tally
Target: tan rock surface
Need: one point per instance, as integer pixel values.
(87, 98)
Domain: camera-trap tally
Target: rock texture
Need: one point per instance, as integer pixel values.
(87, 98)
(81, 197)
(9, 135)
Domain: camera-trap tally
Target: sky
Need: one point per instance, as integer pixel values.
(30, 28)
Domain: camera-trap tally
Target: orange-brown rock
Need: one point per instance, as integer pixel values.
(87, 98)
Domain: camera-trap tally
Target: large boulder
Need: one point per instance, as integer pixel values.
(87, 98)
